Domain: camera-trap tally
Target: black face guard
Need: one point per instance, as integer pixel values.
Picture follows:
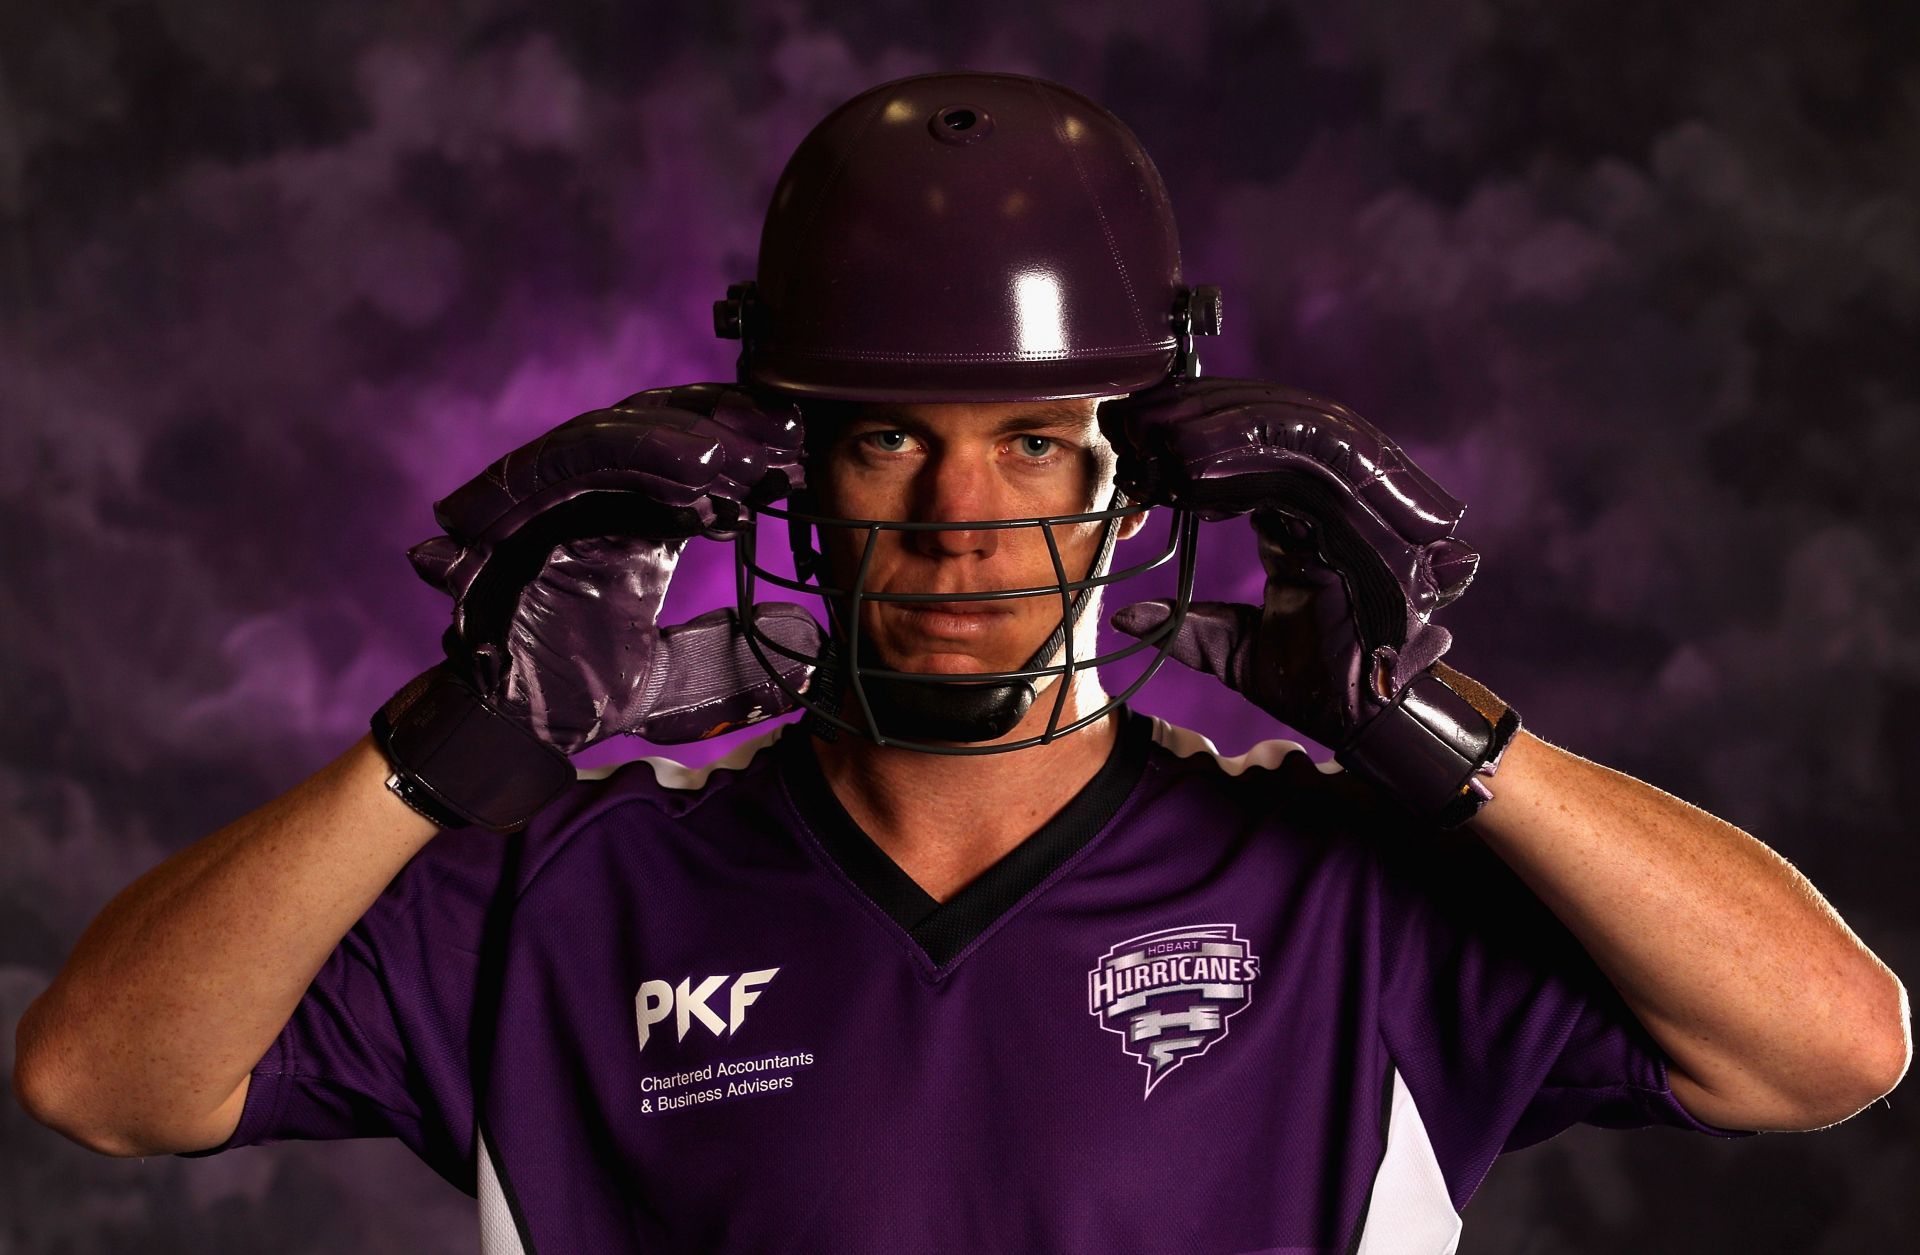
(949, 714)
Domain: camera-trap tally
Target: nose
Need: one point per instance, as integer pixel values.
(957, 487)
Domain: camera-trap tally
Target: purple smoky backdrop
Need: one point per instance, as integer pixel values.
(1639, 282)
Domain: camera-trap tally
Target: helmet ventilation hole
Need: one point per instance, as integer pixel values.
(960, 124)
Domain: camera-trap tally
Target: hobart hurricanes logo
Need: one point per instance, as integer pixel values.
(1168, 994)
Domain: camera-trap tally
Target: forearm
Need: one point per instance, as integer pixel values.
(179, 986)
(1736, 965)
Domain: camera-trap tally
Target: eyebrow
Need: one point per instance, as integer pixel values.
(1039, 418)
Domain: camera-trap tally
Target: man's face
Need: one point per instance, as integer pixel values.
(952, 463)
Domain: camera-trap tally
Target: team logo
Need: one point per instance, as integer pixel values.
(1168, 994)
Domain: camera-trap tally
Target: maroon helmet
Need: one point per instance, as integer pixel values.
(967, 237)
(963, 237)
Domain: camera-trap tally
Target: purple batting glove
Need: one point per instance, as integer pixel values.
(558, 557)
(1359, 551)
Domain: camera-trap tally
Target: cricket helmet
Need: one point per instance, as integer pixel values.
(962, 237)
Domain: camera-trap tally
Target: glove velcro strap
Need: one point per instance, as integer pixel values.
(460, 761)
(1430, 748)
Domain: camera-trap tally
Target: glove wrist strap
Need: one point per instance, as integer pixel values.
(1432, 749)
(460, 761)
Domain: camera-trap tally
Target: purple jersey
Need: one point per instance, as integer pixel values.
(1223, 1005)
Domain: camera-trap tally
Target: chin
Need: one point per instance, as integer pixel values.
(932, 660)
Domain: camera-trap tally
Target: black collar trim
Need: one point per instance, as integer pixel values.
(944, 929)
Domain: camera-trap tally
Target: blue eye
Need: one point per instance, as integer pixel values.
(1044, 445)
(888, 441)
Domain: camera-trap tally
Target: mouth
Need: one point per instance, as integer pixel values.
(951, 620)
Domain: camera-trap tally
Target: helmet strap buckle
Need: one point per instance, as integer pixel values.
(737, 317)
(1196, 312)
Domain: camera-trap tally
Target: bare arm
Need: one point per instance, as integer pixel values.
(146, 1039)
(1774, 1014)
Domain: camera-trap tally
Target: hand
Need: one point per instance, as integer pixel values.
(1358, 549)
(558, 557)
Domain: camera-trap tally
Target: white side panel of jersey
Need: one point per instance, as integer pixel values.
(498, 1234)
(677, 775)
(1410, 1211)
(1185, 743)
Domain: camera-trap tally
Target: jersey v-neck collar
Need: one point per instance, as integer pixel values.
(944, 929)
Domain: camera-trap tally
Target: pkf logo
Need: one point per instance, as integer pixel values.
(687, 1002)
(1168, 994)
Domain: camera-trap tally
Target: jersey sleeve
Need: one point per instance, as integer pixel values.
(1501, 1025)
(379, 1045)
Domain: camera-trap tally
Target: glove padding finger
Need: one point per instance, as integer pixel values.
(711, 682)
(691, 454)
(1216, 637)
(434, 559)
(1344, 492)
(583, 658)
(1254, 650)
(1195, 440)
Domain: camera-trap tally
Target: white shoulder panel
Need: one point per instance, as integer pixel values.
(677, 775)
(1185, 743)
(1409, 1211)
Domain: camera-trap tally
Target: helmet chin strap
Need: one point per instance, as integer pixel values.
(910, 710)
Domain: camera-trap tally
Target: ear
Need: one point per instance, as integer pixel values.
(1131, 524)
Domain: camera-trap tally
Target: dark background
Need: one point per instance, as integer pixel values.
(1640, 282)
